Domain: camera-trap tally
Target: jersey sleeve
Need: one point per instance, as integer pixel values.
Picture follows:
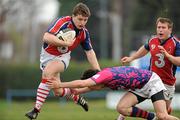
(86, 43)
(57, 25)
(146, 46)
(177, 52)
(102, 77)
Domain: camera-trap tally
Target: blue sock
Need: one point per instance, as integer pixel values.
(137, 112)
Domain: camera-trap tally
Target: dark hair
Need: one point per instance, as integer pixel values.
(88, 73)
(165, 20)
(81, 9)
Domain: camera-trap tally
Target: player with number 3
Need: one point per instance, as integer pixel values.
(165, 56)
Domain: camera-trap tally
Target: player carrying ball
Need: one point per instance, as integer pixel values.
(55, 55)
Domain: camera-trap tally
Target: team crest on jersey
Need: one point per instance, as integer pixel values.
(96, 76)
(153, 46)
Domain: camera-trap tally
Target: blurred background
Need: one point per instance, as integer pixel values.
(117, 27)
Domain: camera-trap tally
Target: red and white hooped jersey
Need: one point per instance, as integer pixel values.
(159, 63)
(82, 36)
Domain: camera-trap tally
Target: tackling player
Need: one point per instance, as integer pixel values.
(55, 55)
(165, 56)
(141, 85)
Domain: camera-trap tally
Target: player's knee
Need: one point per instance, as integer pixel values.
(121, 110)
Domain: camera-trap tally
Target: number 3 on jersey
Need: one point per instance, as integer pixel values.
(160, 62)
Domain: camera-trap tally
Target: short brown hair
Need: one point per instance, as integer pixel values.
(165, 20)
(81, 9)
(88, 73)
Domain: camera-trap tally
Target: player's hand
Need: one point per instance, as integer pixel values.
(126, 60)
(69, 42)
(163, 51)
(51, 83)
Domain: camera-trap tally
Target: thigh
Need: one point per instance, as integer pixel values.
(160, 107)
(128, 100)
(53, 68)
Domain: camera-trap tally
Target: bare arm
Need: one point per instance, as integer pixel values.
(88, 89)
(82, 90)
(53, 40)
(82, 86)
(140, 53)
(175, 60)
(72, 84)
(91, 56)
(77, 84)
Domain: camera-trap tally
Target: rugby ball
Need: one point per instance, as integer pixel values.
(66, 34)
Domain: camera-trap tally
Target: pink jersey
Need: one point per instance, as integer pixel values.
(122, 77)
(82, 36)
(160, 64)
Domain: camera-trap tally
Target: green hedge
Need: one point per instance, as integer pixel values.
(28, 76)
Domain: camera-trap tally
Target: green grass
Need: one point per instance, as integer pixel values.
(55, 110)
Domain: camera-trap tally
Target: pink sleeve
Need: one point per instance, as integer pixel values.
(102, 77)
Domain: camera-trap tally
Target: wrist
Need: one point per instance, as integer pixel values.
(59, 85)
(168, 56)
(132, 58)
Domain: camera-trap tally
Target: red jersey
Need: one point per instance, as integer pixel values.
(82, 36)
(159, 63)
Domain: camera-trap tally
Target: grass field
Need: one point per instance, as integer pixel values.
(55, 110)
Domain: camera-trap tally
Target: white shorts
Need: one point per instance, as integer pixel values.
(153, 86)
(46, 57)
(169, 93)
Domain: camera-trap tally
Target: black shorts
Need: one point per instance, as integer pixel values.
(155, 97)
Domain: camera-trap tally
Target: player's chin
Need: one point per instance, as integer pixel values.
(80, 27)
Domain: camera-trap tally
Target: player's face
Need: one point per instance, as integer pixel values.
(163, 31)
(79, 21)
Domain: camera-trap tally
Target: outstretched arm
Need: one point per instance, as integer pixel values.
(82, 86)
(140, 53)
(88, 89)
(82, 90)
(73, 84)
